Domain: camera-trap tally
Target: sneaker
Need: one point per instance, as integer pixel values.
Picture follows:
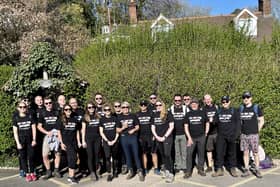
(156, 171)
(72, 180)
(209, 169)
(33, 177)
(124, 170)
(48, 175)
(187, 175)
(169, 177)
(233, 172)
(98, 172)
(93, 177)
(28, 178)
(110, 178)
(146, 171)
(140, 174)
(130, 174)
(245, 173)
(201, 173)
(163, 174)
(219, 172)
(56, 173)
(258, 174)
(21, 173)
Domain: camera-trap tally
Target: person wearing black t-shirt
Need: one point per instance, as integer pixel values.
(146, 139)
(178, 111)
(127, 128)
(99, 101)
(48, 125)
(162, 128)
(61, 101)
(196, 129)
(91, 139)
(211, 110)
(108, 132)
(252, 121)
(152, 104)
(24, 130)
(69, 137)
(227, 121)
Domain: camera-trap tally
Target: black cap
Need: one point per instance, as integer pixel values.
(225, 98)
(247, 94)
(144, 102)
(195, 100)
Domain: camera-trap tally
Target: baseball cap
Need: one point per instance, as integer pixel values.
(195, 100)
(225, 98)
(246, 94)
(143, 102)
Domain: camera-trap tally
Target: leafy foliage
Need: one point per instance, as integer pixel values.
(193, 58)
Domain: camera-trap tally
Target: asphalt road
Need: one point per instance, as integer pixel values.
(271, 178)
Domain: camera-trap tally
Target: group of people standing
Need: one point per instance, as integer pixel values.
(112, 138)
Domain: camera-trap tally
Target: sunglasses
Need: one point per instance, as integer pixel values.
(246, 97)
(158, 105)
(224, 102)
(98, 98)
(187, 99)
(90, 107)
(107, 109)
(125, 107)
(144, 105)
(152, 97)
(67, 109)
(49, 103)
(22, 107)
(117, 106)
(177, 100)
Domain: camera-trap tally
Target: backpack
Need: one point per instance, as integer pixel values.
(266, 163)
(185, 109)
(255, 108)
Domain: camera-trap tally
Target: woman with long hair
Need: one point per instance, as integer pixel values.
(91, 139)
(69, 137)
(162, 128)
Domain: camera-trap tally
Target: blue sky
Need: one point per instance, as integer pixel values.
(219, 7)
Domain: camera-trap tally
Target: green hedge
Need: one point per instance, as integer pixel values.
(193, 58)
(6, 110)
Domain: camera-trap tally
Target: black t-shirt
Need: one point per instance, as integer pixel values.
(210, 112)
(145, 121)
(78, 115)
(131, 120)
(92, 128)
(196, 119)
(69, 130)
(228, 122)
(23, 124)
(99, 110)
(249, 120)
(109, 126)
(152, 108)
(162, 125)
(39, 112)
(49, 119)
(178, 115)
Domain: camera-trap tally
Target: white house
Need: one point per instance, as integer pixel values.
(161, 24)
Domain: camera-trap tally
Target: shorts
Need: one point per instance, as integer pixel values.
(211, 142)
(46, 148)
(249, 142)
(147, 144)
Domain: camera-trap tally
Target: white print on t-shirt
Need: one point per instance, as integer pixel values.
(50, 120)
(79, 118)
(158, 121)
(247, 115)
(195, 120)
(128, 121)
(225, 118)
(144, 120)
(94, 122)
(178, 115)
(24, 125)
(109, 125)
(211, 114)
(70, 126)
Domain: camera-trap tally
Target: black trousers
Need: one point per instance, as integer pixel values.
(111, 151)
(198, 143)
(26, 154)
(71, 152)
(225, 147)
(93, 149)
(164, 149)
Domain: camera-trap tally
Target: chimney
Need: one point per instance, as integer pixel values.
(132, 12)
(265, 7)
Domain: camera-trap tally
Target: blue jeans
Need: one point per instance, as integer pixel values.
(130, 147)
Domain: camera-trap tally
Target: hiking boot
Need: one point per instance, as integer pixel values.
(110, 178)
(72, 180)
(156, 171)
(56, 173)
(130, 174)
(93, 177)
(209, 169)
(141, 175)
(124, 170)
(169, 177)
(201, 173)
(33, 177)
(245, 173)
(48, 175)
(219, 172)
(258, 174)
(187, 175)
(233, 172)
(28, 178)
